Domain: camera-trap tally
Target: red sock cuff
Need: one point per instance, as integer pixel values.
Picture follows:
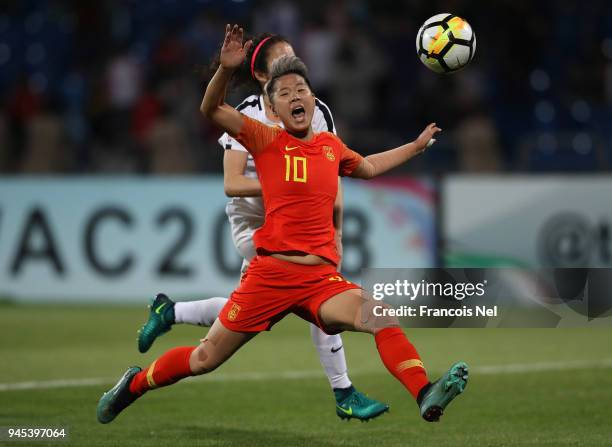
(387, 333)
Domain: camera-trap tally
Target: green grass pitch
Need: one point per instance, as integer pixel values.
(527, 387)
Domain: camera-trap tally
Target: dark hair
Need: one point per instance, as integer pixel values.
(283, 66)
(243, 78)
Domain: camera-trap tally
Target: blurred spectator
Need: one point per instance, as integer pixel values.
(478, 144)
(23, 105)
(319, 46)
(46, 149)
(144, 115)
(168, 146)
(279, 17)
(357, 68)
(169, 57)
(123, 79)
(202, 38)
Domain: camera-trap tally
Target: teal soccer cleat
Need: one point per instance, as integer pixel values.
(115, 400)
(161, 319)
(443, 391)
(357, 405)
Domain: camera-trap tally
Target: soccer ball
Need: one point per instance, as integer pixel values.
(446, 43)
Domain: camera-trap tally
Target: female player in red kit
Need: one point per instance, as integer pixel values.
(246, 214)
(294, 270)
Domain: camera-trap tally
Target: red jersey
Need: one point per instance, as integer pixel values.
(299, 182)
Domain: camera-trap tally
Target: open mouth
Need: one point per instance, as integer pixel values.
(298, 113)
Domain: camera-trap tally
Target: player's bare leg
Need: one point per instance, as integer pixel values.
(174, 365)
(352, 311)
(218, 346)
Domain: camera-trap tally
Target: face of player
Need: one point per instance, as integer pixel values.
(277, 51)
(294, 103)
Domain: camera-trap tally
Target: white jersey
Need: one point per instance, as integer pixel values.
(246, 214)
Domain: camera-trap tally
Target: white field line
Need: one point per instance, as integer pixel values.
(512, 368)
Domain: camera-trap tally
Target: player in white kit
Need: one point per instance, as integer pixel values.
(246, 213)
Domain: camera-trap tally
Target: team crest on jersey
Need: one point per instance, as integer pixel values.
(233, 312)
(329, 153)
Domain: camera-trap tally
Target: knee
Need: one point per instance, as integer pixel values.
(322, 340)
(202, 359)
(384, 318)
(375, 316)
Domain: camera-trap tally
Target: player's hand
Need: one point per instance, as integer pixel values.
(426, 138)
(233, 51)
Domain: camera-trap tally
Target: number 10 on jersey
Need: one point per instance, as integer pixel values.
(295, 169)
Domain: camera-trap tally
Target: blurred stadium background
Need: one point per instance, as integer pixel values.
(111, 190)
(113, 87)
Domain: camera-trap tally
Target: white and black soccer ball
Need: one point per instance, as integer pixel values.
(446, 43)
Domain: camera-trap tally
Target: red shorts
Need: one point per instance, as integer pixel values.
(271, 289)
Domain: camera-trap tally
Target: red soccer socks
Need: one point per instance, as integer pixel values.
(401, 359)
(171, 367)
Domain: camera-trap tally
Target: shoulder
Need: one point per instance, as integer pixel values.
(320, 105)
(329, 136)
(250, 106)
(330, 139)
(323, 115)
(257, 135)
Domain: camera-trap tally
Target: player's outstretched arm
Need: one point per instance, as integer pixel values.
(213, 104)
(377, 164)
